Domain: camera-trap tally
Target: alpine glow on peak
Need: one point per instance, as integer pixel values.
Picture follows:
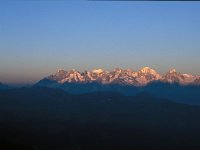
(120, 76)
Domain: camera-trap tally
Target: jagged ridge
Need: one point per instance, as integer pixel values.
(120, 76)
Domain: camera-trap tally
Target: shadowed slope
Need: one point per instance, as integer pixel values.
(44, 118)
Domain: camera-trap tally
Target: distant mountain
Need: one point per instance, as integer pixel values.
(183, 79)
(4, 86)
(119, 76)
(182, 88)
(197, 81)
(49, 119)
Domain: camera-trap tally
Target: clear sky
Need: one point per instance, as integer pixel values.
(37, 38)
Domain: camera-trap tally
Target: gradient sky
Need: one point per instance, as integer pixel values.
(37, 38)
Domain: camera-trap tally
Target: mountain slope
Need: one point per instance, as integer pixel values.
(100, 120)
(182, 88)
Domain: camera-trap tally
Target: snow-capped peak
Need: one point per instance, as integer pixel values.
(146, 75)
(188, 75)
(118, 70)
(142, 77)
(97, 71)
(148, 70)
(172, 71)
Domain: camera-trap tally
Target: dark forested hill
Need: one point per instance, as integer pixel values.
(186, 94)
(51, 119)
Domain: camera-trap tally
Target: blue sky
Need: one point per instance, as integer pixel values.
(37, 38)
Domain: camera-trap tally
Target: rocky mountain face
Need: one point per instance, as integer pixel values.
(175, 77)
(197, 81)
(120, 76)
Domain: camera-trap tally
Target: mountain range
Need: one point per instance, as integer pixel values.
(120, 109)
(178, 87)
(119, 76)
